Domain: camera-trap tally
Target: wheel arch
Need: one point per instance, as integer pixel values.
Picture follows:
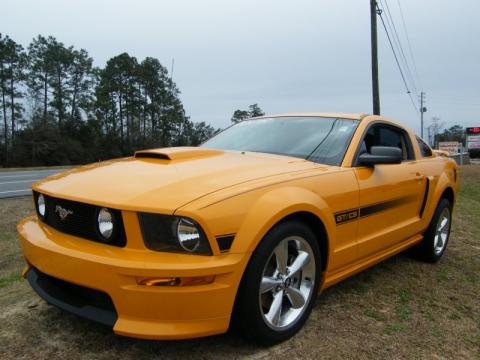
(444, 190)
(448, 194)
(283, 204)
(318, 229)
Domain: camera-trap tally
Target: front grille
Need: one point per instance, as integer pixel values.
(82, 301)
(80, 220)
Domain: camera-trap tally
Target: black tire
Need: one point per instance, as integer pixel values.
(249, 317)
(427, 250)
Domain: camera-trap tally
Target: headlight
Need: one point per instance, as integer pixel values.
(173, 234)
(41, 205)
(188, 235)
(105, 221)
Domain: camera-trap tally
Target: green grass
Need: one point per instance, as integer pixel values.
(392, 329)
(10, 279)
(374, 314)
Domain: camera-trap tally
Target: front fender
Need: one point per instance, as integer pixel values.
(251, 215)
(274, 206)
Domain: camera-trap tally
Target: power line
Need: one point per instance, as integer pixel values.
(409, 45)
(413, 102)
(394, 32)
(390, 28)
(396, 37)
(396, 59)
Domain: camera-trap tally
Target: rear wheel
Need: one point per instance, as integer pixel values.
(436, 237)
(280, 284)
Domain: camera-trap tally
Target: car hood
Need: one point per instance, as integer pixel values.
(163, 180)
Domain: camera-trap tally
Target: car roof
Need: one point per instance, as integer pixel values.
(316, 114)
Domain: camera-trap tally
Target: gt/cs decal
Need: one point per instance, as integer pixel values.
(346, 216)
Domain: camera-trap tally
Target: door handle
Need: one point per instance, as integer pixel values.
(419, 176)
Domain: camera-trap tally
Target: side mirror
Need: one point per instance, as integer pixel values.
(381, 155)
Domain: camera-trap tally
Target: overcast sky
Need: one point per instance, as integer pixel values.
(284, 55)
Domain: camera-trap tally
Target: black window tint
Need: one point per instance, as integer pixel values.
(424, 148)
(386, 135)
(389, 137)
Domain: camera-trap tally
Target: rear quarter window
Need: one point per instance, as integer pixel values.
(425, 150)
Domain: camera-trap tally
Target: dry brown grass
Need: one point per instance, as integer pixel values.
(401, 308)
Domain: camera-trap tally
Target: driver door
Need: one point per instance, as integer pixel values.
(390, 194)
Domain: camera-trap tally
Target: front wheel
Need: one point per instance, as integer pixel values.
(280, 284)
(436, 237)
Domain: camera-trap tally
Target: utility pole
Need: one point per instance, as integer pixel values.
(423, 109)
(375, 87)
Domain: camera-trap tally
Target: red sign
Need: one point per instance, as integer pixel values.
(473, 130)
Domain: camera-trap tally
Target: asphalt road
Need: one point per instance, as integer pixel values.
(19, 183)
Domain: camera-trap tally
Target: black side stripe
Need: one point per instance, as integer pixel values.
(346, 216)
(375, 208)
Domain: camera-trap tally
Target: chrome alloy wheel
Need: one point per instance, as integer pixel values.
(287, 283)
(442, 231)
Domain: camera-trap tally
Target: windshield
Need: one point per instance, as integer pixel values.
(323, 140)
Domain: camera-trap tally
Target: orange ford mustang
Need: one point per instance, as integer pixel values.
(248, 228)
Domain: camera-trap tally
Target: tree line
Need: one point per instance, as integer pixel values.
(253, 111)
(58, 108)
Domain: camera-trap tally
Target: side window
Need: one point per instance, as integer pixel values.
(387, 135)
(424, 148)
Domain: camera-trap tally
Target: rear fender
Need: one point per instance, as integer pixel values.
(445, 180)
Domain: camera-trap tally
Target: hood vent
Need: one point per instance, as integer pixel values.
(177, 153)
(151, 155)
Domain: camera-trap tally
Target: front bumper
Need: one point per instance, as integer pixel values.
(150, 312)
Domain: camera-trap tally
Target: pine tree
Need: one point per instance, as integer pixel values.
(254, 111)
(12, 75)
(41, 70)
(3, 89)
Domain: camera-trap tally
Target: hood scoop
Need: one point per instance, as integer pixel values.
(177, 153)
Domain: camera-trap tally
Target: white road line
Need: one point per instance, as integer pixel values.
(17, 176)
(12, 191)
(20, 181)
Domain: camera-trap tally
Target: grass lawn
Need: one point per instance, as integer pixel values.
(400, 308)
